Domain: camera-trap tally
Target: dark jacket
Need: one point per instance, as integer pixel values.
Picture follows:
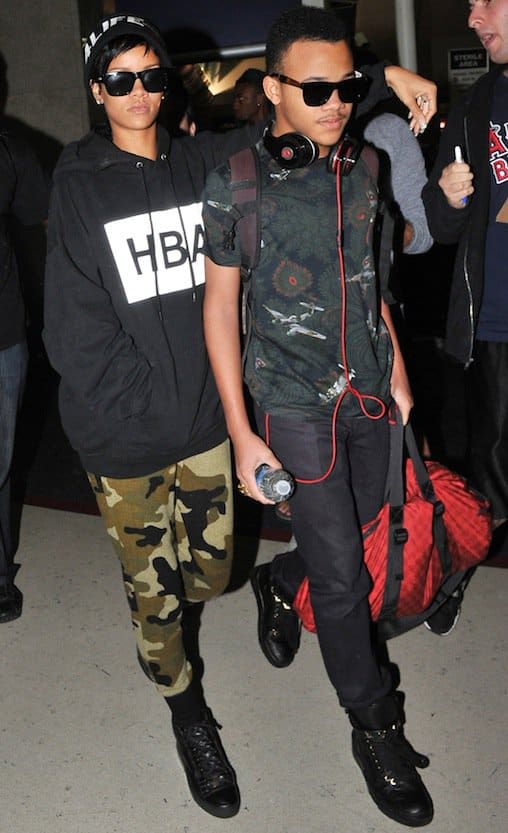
(123, 324)
(24, 197)
(467, 126)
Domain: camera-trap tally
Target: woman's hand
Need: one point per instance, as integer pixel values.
(417, 93)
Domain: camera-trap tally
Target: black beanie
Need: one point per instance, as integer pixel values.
(120, 25)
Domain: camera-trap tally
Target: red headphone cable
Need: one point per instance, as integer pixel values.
(349, 387)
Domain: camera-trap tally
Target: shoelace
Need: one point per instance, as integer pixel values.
(393, 754)
(199, 738)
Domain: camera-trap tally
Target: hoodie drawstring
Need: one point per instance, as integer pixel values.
(141, 167)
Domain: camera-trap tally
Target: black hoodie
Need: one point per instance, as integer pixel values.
(123, 315)
(123, 318)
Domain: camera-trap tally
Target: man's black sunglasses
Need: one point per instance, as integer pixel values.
(121, 82)
(315, 93)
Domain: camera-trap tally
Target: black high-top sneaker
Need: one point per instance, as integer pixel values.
(388, 762)
(11, 602)
(210, 776)
(278, 625)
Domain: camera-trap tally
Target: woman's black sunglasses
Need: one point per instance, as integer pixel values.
(315, 93)
(121, 82)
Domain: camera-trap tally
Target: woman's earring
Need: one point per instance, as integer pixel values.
(98, 101)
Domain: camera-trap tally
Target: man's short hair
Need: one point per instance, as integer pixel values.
(305, 23)
(254, 77)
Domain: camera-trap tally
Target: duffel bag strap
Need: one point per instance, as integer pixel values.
(401, 436)
(427, 491)
(397, 534)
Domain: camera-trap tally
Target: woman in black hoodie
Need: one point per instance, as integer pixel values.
(123, 328)
(124, 286)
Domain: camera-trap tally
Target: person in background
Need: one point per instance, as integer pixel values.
(176, 112)
(249, 101)
(466, 201)
(322, 366)
(24, 196)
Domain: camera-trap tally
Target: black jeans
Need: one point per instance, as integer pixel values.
(327, 519)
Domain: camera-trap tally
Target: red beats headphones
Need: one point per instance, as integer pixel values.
(295, 150)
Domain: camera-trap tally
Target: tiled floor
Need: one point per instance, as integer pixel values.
(86, 744)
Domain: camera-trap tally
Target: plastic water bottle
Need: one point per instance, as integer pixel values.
(275, 484)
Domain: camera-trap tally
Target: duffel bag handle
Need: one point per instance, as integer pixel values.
(403, 436)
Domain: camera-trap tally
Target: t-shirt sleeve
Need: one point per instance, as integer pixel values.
(222, 242)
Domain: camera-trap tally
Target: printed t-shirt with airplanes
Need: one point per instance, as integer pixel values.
(295, 360)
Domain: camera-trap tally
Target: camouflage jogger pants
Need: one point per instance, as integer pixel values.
(172, 531)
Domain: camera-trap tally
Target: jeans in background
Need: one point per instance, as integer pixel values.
(13, 369)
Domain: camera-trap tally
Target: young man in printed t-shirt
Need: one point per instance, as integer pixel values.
(317, 333)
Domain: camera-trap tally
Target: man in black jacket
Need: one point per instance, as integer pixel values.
(467, 202)
(24, 194)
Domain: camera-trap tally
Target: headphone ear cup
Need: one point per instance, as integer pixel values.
(292, 150)
(344, 155)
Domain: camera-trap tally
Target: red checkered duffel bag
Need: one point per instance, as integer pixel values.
(427, 536)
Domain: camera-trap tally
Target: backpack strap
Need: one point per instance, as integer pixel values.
(389, 225)
(384, 227)
(246, 196)
(371, 159)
